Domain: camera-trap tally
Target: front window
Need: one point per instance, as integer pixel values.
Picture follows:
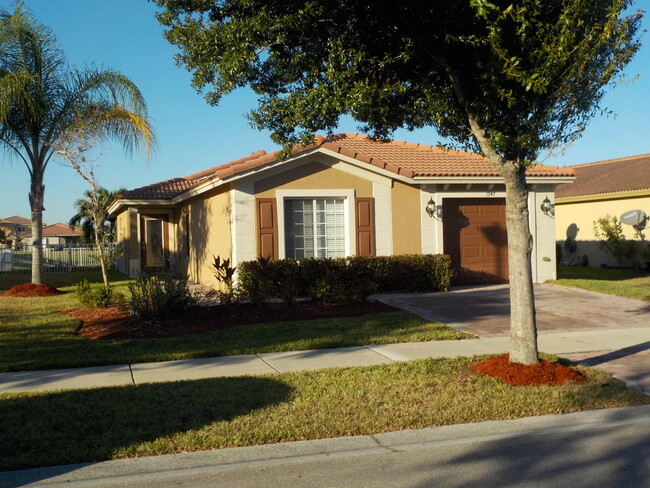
(314, 227)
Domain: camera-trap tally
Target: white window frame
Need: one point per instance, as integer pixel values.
(348, 205)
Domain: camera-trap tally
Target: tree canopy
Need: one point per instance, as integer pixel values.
(507, 79)
(530, 72)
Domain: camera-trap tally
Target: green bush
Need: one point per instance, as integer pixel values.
(154, 296)
(98, 295)
(326, 280)
(255, 281)
(610, 232)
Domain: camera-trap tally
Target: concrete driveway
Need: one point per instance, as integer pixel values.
(484, 311)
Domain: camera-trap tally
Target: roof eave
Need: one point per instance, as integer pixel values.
(603, 196)
(118, 204)
(455, 180)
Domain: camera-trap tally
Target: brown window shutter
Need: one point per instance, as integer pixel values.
(267, 228)
(365, 207)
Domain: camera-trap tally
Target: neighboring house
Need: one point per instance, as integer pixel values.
(344, 195)
(15, 228)
(57, 234)
(607, 187)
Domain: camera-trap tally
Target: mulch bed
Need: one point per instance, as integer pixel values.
(116, 323)
(31, 290)
(542, 373)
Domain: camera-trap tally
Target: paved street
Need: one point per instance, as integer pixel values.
(603, 448)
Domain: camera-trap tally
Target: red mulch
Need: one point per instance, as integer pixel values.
(31, 290)
(116, 323)
(542, 373)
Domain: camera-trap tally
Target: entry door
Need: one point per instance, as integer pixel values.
(155, 241)
(475, 236)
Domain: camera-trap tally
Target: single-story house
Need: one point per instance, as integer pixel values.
(343, 195)
(15, 228)
(610, 187)
(58, 234)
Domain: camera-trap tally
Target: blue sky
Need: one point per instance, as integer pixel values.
(124, 35)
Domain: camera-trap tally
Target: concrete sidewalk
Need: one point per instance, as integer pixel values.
(583, 344)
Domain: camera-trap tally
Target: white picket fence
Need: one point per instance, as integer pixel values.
(56, 258)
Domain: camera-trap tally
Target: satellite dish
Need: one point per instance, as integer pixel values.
(635, 218)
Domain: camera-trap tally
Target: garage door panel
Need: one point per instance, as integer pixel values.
(475, 237)
(470, 252)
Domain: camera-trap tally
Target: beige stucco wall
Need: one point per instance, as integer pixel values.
(576, 219)
(406, 218)
(313, 176)
(209, 234)
(122, 238)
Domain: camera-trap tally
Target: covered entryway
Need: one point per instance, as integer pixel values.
(475, 236)
(154, 242)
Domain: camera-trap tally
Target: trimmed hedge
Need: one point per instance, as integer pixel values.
(342, 279)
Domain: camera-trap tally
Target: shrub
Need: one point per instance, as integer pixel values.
(99, 295)
(610, 232)
(327, 280)
(155, 295)
(254, 281)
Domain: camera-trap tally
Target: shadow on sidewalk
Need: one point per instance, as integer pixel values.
(611, 356)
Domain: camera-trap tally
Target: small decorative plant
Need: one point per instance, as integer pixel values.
(225, 274)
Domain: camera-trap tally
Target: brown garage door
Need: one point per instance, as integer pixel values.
(476, 239)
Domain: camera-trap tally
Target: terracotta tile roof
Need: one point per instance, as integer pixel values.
(418, 160)
(610, 176)
(57, 230)
(402, 158)
(17, 219)
(163, 190)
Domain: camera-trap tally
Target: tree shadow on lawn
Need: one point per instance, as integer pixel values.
(92, 425)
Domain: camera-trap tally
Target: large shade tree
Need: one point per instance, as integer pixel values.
(509, 79)
(42, 99)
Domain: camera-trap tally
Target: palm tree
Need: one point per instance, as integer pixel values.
(84, 219)
(42, 100)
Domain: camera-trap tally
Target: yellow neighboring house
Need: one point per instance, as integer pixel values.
(15, 228)
(607, 187)
(343, 195)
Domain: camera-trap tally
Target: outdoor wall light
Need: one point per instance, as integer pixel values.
(431, 208)
(547, 207)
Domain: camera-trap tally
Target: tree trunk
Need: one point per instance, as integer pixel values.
(36, 195)
(100, 250)
(523, 325)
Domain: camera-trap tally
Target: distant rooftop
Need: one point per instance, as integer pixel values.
(610, 176)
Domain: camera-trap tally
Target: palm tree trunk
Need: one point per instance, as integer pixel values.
(36, 203)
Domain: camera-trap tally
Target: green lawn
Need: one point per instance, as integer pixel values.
(619, 282)
(152, 419)
(33, 336)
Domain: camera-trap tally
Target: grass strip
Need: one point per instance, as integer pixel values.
(618, 282)
(152, 419)
(33, 337)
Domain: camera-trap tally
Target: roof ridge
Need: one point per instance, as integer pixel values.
(608, 161)
(400, 143)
